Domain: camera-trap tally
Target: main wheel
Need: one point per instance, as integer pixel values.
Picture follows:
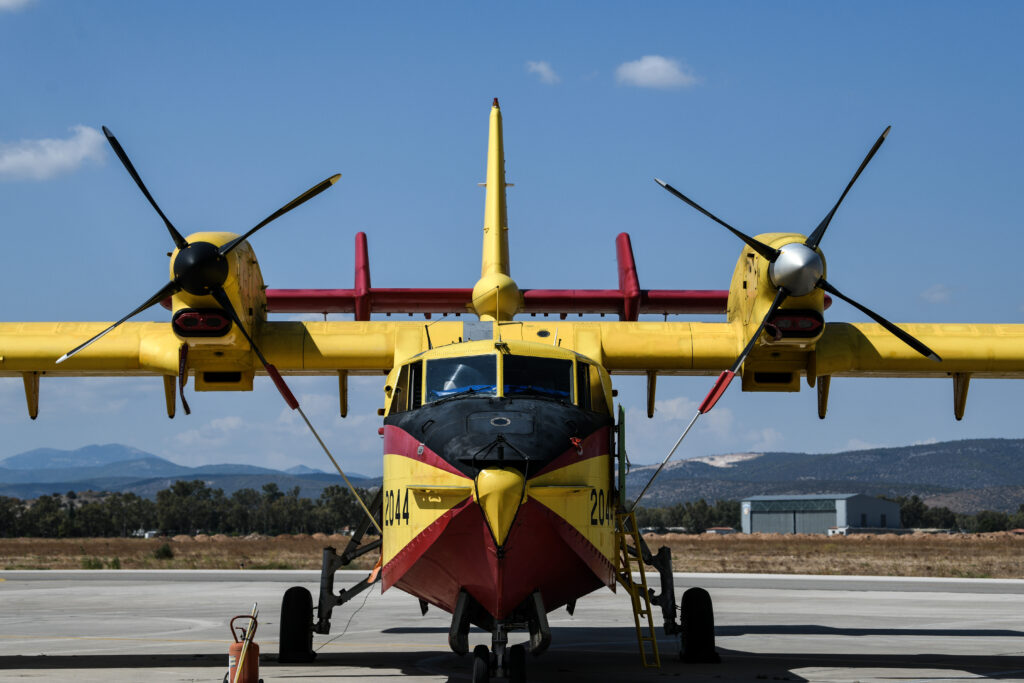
(481, 664)
(517, 664)
(295, 645)
(698, 617)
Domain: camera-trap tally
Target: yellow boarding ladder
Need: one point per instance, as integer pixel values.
(625, 529)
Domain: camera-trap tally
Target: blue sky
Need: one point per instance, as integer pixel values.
(759, 111)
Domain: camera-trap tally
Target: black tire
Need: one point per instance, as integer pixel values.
(698, 617)
(481, 664)
(296, 640)
(517, 664)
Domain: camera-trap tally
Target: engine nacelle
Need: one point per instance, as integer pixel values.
(791, 332)
(218, 351)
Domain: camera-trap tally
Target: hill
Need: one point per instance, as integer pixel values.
(118, 468)
(968, 475)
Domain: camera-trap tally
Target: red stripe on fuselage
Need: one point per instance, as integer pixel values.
(592, 446)
(401, 442)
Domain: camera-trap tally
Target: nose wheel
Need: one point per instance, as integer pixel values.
(507, 663)
(481, 664)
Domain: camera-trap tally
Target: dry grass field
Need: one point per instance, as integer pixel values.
(300, 551)
(996, 555)
(999, 555)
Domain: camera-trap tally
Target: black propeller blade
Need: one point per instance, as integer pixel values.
(167, 290)
(301, 199)
(815, 239)
(797, 266)
(906, 338)
(769, 253)
(221, 298)
(179, 241)
(200, 268)
(721, 384)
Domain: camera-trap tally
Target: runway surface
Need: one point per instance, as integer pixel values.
(87, 626)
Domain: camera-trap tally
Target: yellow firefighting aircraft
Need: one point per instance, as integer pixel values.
(503, 492)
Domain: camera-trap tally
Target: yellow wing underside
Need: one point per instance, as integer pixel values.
(373, 348)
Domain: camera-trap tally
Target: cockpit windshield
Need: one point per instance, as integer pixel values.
(533, 376)
(462, 376)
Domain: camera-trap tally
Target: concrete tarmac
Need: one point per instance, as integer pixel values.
(121, 625)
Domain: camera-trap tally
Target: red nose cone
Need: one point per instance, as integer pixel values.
(496, 102)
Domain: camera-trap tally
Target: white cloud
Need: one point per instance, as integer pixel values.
(654, 71)
(14, 5)
(936, 294)
(859, 445)
(49, 157)
(544, 71)
(766, 439)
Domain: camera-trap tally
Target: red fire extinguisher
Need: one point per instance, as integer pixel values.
(243, 654)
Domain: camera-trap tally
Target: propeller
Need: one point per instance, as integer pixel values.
(200, 268)
(795, 269)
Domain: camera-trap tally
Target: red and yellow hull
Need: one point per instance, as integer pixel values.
(442, 534)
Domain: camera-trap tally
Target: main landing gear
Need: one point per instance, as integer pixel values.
(696, 627)
(297, 625)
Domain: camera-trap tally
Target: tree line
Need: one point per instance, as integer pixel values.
(190, 507)
(187, 507)
(698, 516)
(694, 516)
(915, 514)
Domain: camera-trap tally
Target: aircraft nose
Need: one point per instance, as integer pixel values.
(499, 492)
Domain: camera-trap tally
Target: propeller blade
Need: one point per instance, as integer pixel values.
(819, 231)
(301, 199)
(179, 241)
(167, 290)
(222, 298)
(903, 336)
(780, 296)
(770, 253)
(722, 383)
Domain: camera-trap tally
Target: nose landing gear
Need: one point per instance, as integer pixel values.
(504, 662)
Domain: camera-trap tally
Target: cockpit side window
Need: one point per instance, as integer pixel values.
(415, 385)
(598, 401)
(466, 375)
(533, 376)
(408, 389)
(583, 385)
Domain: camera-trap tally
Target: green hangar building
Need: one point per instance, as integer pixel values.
(818, 513)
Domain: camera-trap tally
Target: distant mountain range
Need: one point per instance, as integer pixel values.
(965, 476)
(114, 467)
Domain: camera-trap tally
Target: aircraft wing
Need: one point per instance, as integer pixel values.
(373, 347)
(868, 350)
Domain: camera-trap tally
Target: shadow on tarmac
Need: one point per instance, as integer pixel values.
(817, 630)
(606, 654)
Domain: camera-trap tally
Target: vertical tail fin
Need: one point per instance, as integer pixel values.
(495, 257)
(496, 296)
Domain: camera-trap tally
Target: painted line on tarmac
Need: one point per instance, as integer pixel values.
(115, 638)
